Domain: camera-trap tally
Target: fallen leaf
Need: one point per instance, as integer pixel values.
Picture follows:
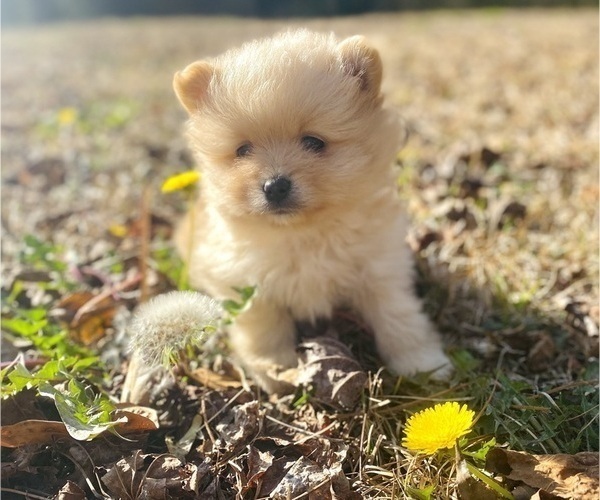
(469, 488)
(181, 447)
(304, 477)
(159, 227)
(21, 406)
(89, 326)
(328, 367)
(511, 213)
(137, 419)
(580, 317)
(31, 432)
(147, 476)
(71, 491)
(213, 380)
(488, 156)
(133, 420)
(122, 479)
(566, 476)
(542, 353)
(240, 424)
(258, 464)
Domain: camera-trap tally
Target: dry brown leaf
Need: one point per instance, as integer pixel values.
(328, 367)
(154, 477)
(71, 491)
(31, 432)
(566, 476)
(139, 419)
(213, 380)
(86, 327)
(470, 488)
(304, 477)
(241, 423)
(542, 353)
(258, 464)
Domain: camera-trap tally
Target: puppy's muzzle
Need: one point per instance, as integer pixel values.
(278, 191)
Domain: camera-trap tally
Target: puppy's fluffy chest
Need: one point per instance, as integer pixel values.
(307, 270)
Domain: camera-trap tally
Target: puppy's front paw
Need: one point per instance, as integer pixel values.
(423, 359)
(274, 380)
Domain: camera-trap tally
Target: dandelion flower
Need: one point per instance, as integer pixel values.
(169, 322)
(437, 428)
(67, 116)
(180, 181)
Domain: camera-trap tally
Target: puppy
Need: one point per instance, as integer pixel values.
(298, 198)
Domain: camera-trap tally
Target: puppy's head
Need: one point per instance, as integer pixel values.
(290, 127)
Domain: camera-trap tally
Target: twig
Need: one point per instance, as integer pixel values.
(26, 494)
(309, 434)
(145, 236)
(91, 304)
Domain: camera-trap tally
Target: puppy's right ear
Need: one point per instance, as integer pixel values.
(362, 61)
(191, 84)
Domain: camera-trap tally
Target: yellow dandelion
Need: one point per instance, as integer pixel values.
(437, 428)
(67, 116)
(180, 181)
(118, 230)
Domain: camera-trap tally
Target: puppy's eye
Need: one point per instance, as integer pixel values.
(314, 144)
(243, 150)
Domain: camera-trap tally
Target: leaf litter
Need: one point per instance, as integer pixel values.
(499, 173)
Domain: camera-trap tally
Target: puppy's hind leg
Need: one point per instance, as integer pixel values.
(264, 340)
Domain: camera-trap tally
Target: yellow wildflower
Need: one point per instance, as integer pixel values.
(437, 428)
(180, 181)
(67, 116)
(118, 230)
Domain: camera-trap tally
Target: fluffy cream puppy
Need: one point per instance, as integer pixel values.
(298, 198)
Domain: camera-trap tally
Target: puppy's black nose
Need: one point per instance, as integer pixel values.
(277, 189)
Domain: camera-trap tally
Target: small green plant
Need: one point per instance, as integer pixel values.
(48, 338)
(168, 262)
(61, 366)
(235, 307)
(85, 413)
(93, 118)
(186, 182)
(17, 377)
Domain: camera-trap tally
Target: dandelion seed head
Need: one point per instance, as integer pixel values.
(171, 321)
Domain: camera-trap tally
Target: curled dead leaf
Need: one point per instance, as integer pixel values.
(562, 475)
(135, 419)
(70, 491)
(31, 432)
(86, 317)
(150, 476)
(214, 380)
(241, 423)
(542, 353)
(328, 367)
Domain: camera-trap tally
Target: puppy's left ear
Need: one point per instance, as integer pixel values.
(363, 62)
(191, 84)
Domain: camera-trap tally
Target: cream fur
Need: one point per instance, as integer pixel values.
(342, 240)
